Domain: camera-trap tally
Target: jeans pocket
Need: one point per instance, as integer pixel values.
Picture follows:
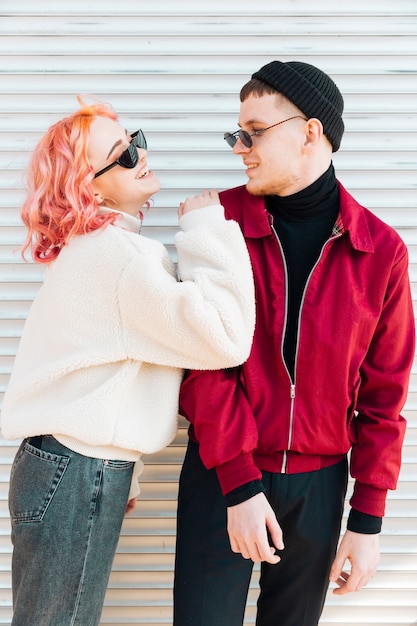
(34, 480)
(118, 465)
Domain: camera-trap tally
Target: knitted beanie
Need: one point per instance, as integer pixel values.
(311, 90)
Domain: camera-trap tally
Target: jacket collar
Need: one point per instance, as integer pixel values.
(124, 220)
(255, 220)
(353, 220)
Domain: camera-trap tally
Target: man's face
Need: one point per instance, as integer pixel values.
(274, 163)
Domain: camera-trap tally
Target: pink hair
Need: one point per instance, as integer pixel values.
(60, 203)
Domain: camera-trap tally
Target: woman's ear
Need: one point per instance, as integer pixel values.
(100, 199)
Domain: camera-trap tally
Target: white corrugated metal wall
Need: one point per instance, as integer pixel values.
(175, 69)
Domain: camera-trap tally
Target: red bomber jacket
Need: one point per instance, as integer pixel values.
(354, 353)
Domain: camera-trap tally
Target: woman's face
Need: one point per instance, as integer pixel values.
(120, 188)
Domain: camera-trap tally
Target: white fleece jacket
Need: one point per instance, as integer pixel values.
(100, 361)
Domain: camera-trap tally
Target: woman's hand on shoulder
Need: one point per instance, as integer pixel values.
(206, 198)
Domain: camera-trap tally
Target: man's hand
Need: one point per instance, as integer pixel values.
(247, 525)
(363, 553)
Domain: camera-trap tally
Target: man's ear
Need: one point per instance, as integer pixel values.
(313, 131)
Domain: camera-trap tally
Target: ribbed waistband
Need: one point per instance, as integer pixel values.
(290, 462)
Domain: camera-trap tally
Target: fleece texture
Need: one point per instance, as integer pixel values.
(102, 354)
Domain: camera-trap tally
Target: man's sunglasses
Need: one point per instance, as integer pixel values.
(246, 138)
(129, 157)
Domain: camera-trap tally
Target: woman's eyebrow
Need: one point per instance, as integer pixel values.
(114, 146)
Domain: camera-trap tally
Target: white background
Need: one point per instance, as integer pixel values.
(175, 70)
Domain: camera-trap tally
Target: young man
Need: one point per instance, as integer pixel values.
(264, 478)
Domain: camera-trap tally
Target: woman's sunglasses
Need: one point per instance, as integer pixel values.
(129, 157)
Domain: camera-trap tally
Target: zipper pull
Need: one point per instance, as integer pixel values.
(292, 392)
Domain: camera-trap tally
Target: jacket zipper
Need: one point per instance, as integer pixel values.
(292, 382)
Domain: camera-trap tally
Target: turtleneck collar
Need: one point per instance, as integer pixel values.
(318, 199)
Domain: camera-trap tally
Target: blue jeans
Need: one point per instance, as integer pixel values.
(66, 510)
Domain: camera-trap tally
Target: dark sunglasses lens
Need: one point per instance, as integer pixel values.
(230, 139)
(129, 157)
(139, 140)
(245, 138)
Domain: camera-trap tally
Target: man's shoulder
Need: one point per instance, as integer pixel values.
(233, 200)
(242, 206)
(362, 221)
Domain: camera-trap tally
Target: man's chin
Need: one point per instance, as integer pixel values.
(254, 189)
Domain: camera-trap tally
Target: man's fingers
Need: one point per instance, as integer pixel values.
(276, 538)
(248, 525)
(255, 551)
(347, 583)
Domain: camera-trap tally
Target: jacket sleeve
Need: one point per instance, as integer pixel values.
(378, 429)
(204, 321)
(216, 405)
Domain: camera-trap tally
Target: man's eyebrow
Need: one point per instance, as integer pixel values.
(252, 122)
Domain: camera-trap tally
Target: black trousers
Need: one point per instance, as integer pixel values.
(211, 581)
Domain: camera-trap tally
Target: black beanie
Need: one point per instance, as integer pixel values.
(311, 90)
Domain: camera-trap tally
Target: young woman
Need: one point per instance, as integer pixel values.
(96, 378)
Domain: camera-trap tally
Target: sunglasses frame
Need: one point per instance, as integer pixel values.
(246, 138)
(138, 140)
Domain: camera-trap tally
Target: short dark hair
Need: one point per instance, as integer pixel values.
(258, 87)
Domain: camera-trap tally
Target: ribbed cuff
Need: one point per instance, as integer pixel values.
(244, 492)
(363, 523)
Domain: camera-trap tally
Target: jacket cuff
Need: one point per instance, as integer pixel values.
(363, 523)
(243, 493)
(213, 214)
(237, 472)
(369, 499)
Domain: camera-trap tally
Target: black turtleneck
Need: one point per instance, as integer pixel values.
(303, 223)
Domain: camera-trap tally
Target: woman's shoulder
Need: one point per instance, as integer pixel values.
(108, 251)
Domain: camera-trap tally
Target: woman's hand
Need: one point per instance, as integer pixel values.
(206, 198)
(130, 505)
